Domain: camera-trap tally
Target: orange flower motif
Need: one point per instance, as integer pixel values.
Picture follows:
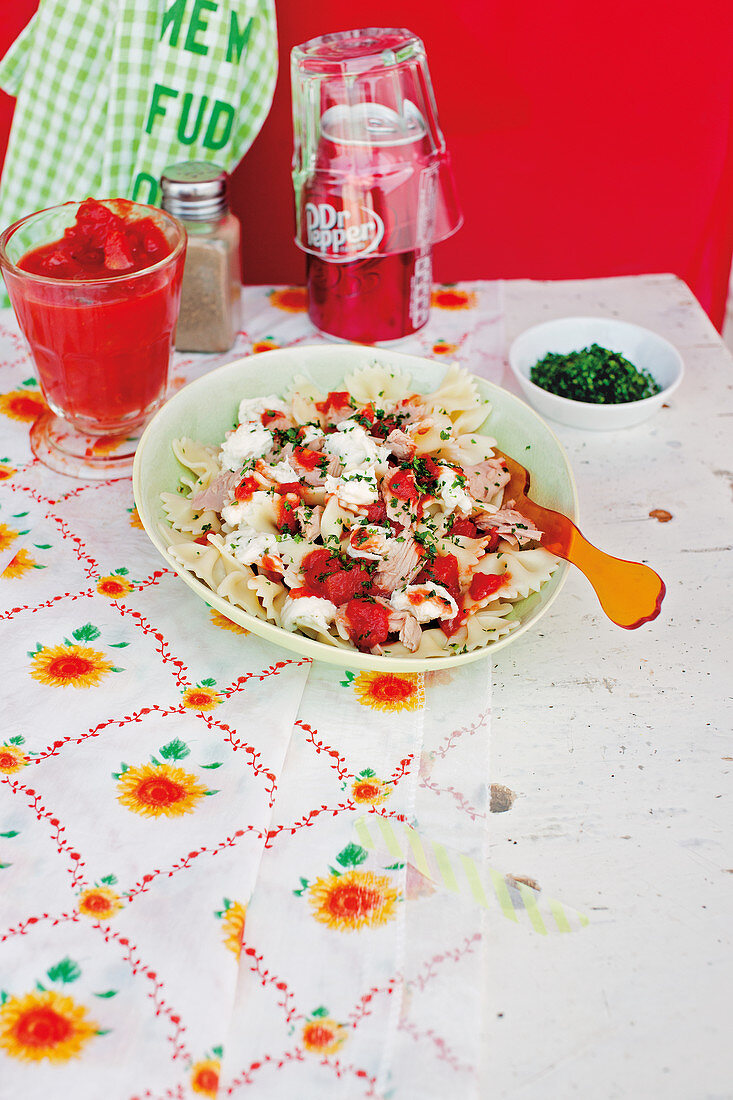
(114, 587)
(442, 347)
(12, 759)
(6, 471)
(135, 520)
(105, 444)
(323, 1035)
(353, 900)
(23, 405)
(7, 536)
(46, 1025)
(18, 566)
(371, 791)
(232, 926)
(205, 1077)
(293, 299)
(225, 623)
(201, 698)
(449, 298)
(389, 690)
(268, 344)
(100, 902)
(159, 791)
(69, 666)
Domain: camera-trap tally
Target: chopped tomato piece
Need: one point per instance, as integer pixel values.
(443, 570)
(246, 488)
(270, 415)
(466, 528)
(483, 584)
(402, 485)
(346, 584)
(452, 626)
(286, 518)
(493, 543)
(336, 401)
(307, 458)
(367, 623)
(377, 513)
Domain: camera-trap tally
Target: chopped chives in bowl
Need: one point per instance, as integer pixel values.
(594, 375)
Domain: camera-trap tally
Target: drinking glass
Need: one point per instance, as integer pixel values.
(101, 346)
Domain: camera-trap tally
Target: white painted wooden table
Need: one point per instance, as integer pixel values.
(618, 745)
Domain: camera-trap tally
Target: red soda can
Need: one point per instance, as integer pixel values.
(371, 179)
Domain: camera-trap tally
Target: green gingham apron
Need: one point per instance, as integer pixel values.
(109, 92)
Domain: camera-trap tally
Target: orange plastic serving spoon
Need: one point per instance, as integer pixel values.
(630, 593)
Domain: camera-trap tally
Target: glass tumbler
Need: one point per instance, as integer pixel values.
(101, 346)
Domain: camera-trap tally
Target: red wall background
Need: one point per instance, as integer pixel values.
(587, 139)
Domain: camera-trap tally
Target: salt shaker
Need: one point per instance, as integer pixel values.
(197, 193)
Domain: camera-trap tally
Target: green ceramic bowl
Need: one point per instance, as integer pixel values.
(207, 408)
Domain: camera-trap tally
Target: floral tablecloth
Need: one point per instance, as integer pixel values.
(204, 889)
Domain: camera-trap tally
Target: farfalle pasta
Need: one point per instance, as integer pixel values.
(371, 517)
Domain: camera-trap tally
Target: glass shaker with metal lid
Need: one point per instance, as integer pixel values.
(197, 193)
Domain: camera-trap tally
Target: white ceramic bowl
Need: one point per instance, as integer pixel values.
(205, 409)
(640, 346)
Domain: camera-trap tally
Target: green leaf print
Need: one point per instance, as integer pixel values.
(109, 880)
(175, 750)
(368, 773)
(11, 833)
(86, 633)
(319, 1012)
(65, 971)
(350, 676)
(304, 884)
(121, 572)
(17, 740)
(352, 855)
(217, 765)
(218, 1052)
(208, 683)
(107, 994)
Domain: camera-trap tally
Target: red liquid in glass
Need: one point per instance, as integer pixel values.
(102, 354)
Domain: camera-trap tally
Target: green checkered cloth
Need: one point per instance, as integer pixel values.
(110, 92)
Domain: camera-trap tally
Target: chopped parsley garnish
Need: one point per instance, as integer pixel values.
(593, 375)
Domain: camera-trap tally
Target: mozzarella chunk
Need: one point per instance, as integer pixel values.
(252, 408)
(311, 434)
(425, 602)
(282, 472)
(248, 545)
(354, 489)
(452, 493)
(353, 446)
(369, 542)
(246, 441)
(240, 510)
(308, 611)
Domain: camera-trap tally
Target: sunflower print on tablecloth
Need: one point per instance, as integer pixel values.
(12, 757)
(351, 899)
(19, 565)
(291, 299)
(115, 585)
(448, 297)
(23, 405)
(388, 691)
(45, 1025)
(100, 902)
(202, 697)
(367, 789)
(205, 1074)
(226, 624)
(321, 1034)
(232, 916)
(158, 789)
(72, 664)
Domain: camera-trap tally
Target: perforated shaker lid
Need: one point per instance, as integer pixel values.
(195, 190)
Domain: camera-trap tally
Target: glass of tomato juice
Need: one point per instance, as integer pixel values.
(96, 288)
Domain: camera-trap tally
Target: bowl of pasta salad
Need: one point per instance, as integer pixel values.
(347, 503)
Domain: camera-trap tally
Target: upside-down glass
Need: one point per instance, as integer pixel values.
(373, 182)
(101, 346)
